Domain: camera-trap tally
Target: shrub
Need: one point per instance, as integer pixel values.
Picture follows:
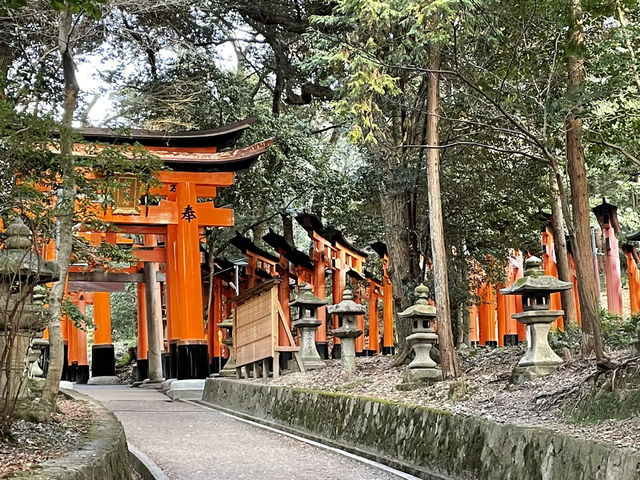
(617, 332)
(570, 337)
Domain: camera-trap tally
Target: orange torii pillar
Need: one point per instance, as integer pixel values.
(321, 260)
(213, 331)
(607, 216)
(72, 338)
(142, 363)
(487, 315)
(339, 277)
(252, 265)
(373, 295)
(72, 359)
(103, 363)
(160, 300)
(521, 328)
(551, 268)
(64, 330)
(634, 277)
(320, 291)
(82, 367)
(284, 297)
(193, 361)
(174, 303)
(473, 325)
(388, 342)
(507, 307)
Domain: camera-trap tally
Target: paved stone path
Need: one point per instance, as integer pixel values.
(192, 442)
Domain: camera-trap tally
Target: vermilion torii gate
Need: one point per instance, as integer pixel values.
(185, 208)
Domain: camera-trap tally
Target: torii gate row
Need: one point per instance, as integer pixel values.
(179, 218)
(185, 208)
(85, 281)
(332, 251)
(343, 261)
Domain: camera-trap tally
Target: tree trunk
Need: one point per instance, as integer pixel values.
(5, 63)
(448, 361)
(287, 228)
(592, 335)
(562, 260)
(260, 229)
(64, 213)
(403, 267)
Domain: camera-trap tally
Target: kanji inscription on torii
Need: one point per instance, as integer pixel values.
(188, 213)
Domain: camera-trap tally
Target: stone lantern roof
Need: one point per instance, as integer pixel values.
(347, 306)
(535, 281)
(421, 308)
(18, 260)
(306, 298)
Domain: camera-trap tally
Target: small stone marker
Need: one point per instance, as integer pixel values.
(229, 369)
(421, 315)
(347, 311)
(536, 288)
(307, 323)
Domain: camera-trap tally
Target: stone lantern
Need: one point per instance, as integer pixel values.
(21, 268)
(347, 311)
(307, 323)
(536, 288)
(421, 315)
(229, 369)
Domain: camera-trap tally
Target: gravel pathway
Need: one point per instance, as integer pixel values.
(188, 441)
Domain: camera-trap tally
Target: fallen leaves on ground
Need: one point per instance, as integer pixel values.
(34, 443)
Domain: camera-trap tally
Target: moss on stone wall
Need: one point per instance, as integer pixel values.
(433, 444)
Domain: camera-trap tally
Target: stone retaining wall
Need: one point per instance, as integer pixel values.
(102, 455)
(426, 442)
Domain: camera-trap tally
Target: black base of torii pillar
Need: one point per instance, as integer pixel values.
(193, 361)
(103, 361)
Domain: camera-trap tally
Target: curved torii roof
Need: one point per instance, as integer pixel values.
(221, 137)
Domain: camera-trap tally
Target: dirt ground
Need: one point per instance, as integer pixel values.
(484, 390)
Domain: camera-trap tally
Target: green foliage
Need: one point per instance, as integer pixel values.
(616, 331)
(570, 337)
(124, 317)
(11, 5)
(76, 6)
(74, 314)
(124, 361)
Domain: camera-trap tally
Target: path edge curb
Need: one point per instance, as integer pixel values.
(354, 451)
(143, 464)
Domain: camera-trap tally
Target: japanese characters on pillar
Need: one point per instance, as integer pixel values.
(192, 348)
